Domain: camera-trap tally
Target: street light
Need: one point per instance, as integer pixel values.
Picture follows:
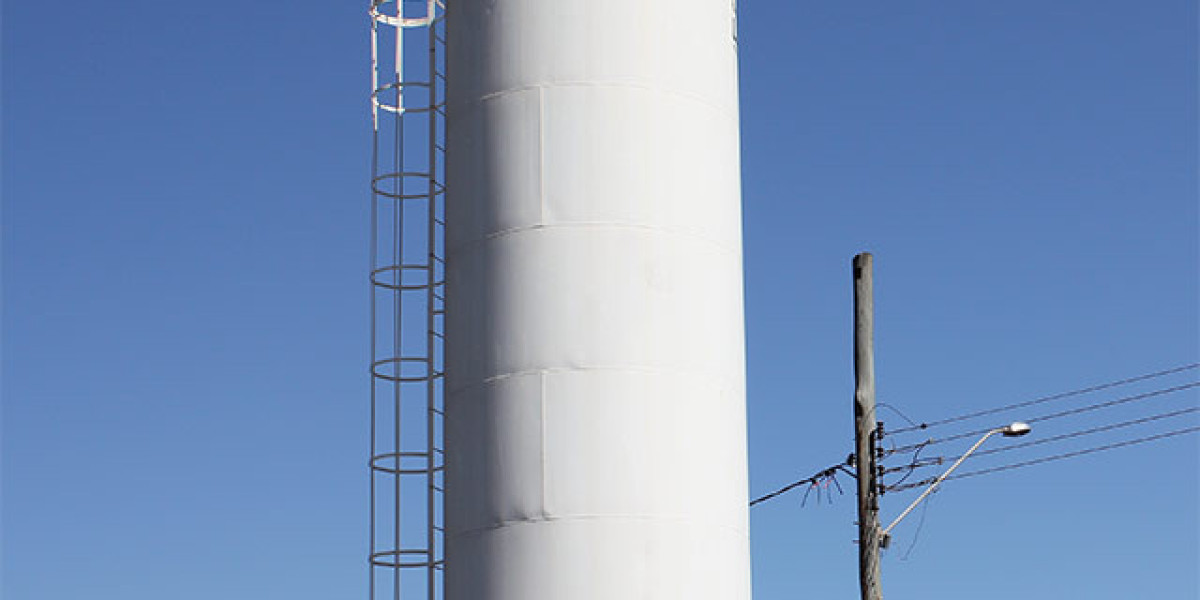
(1015, 429)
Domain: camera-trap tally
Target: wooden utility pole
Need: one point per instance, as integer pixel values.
(865, 428)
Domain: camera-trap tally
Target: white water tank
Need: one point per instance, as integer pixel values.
(595, 393)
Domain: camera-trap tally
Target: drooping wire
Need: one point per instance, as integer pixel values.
(1057, 415)
(1045, 459)
(816, 485)
(1045, 399)
(914, 463)
(900, 414)
(807, 489)
(920, 526)
(827, 474)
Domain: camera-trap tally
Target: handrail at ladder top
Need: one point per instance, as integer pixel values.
(398, 20)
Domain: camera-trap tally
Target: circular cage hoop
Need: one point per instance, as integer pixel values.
(400, 374)
(432, 15)
(392, 277)
(395, 559)
(400, 178)
(379, 463)
(399, 87)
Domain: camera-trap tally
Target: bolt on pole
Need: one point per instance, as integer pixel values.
(865, 428)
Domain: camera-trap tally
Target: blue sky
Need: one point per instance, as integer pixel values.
(185, 301)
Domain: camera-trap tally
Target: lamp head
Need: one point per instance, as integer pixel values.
(1016, 429)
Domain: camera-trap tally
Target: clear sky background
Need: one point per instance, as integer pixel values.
(185, 221)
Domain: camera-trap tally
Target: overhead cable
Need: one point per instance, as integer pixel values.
(1057, 415)
(827, 474)
(915, 464)
(1050, 398)
(1046, 459)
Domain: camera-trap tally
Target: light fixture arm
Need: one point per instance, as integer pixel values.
(933, 486)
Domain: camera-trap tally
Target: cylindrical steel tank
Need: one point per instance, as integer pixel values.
(595, 393)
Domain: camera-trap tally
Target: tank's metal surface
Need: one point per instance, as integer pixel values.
(595, 403)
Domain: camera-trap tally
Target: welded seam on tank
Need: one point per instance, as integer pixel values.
(545, 495)
(723, 383)
(510, 523)
(725, 110)
(735, 249)
(541, 124)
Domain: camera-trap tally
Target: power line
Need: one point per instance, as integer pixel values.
(1046, 459)
(1050, 398)
(829, 473)
(1057, 415)
(916, 464)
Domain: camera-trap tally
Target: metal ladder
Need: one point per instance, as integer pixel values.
(407, 462)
